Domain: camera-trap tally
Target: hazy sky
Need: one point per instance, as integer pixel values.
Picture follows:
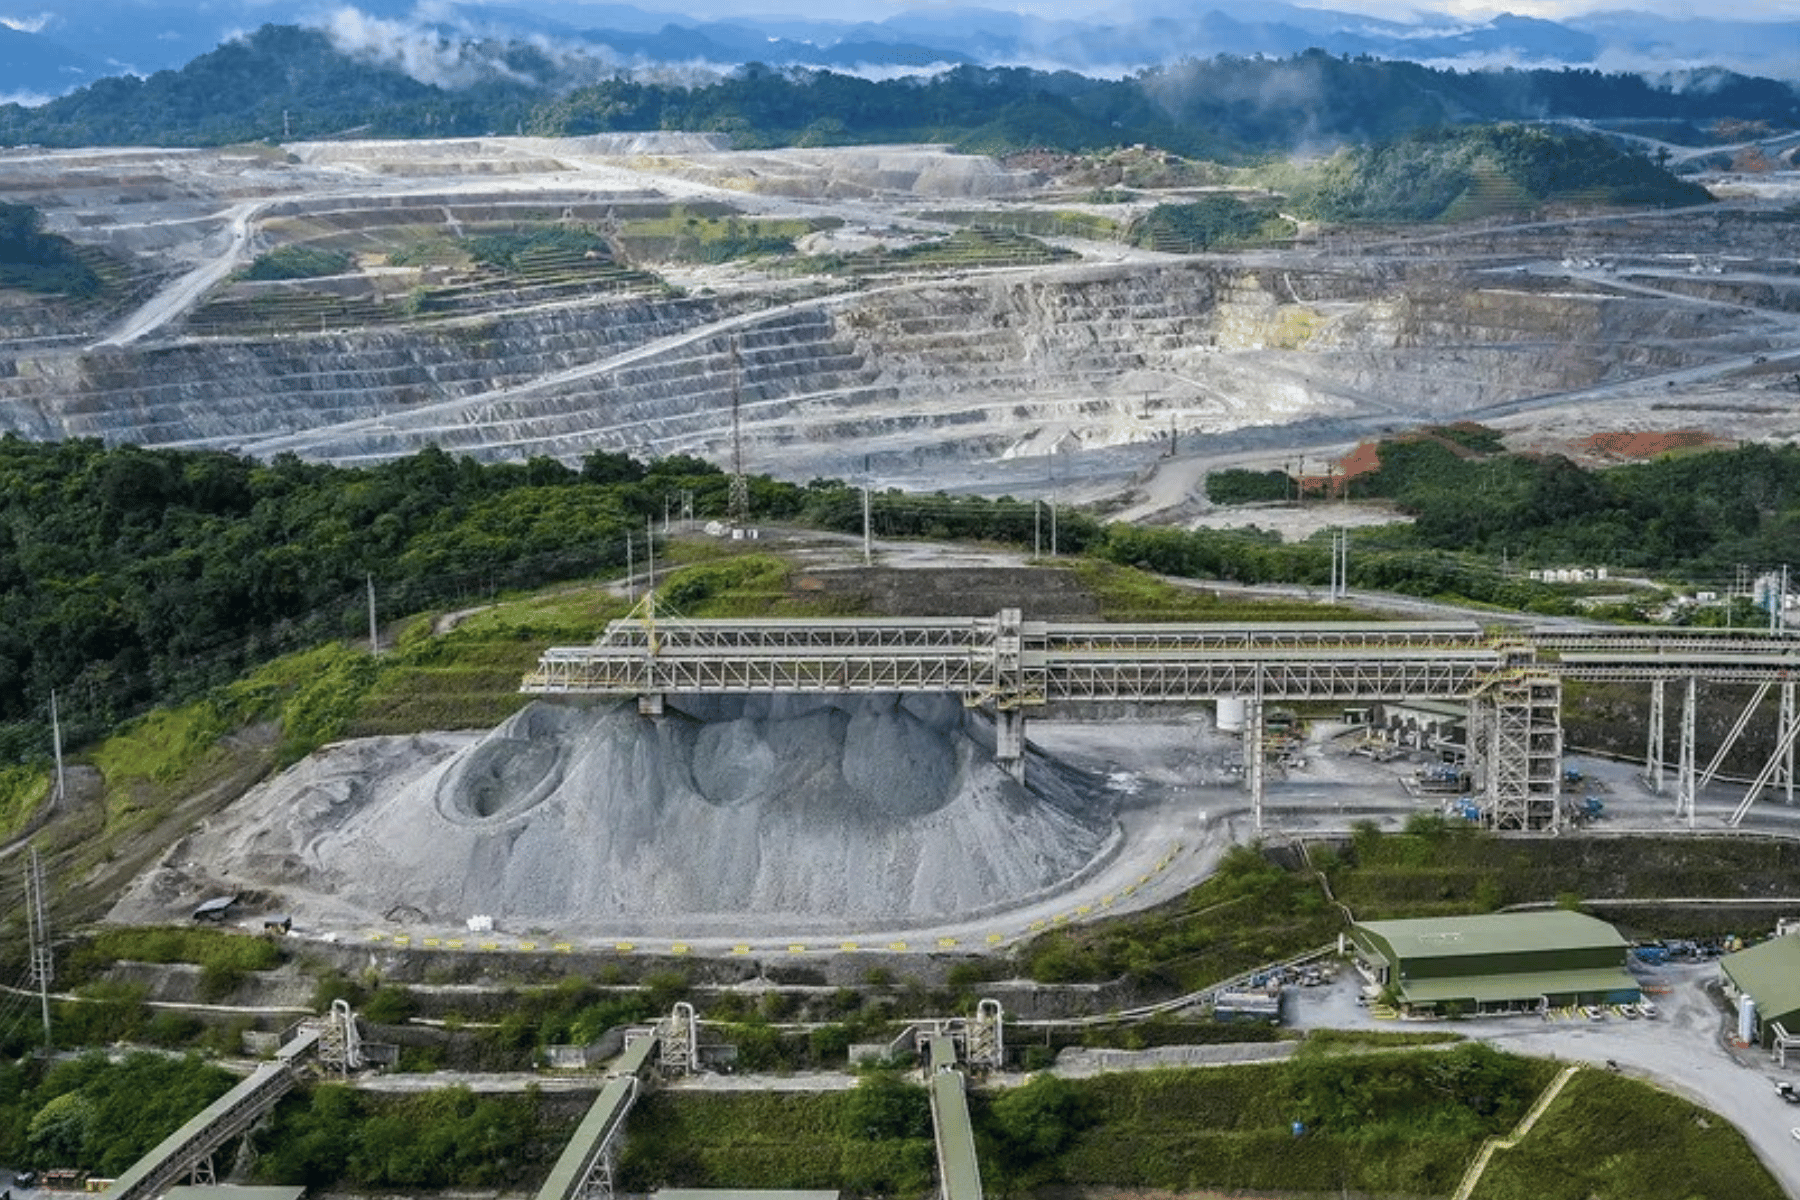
(1400, 10)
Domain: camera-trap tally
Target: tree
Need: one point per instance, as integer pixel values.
(1036, 1120)
(883, 1106)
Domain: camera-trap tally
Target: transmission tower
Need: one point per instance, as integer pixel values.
(737, 510)
(43, 966)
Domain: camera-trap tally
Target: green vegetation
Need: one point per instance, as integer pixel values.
(1222, 222)
(875, 1139)
(22, 789)
(512, 249)
(1388, 1123)
(299, 262)
(282, 81)
(334, 1135)
(1464, 174)
(1394, 1123)
(149, 944)
(1248, 913)
(1236, 486)
(91, 1113)
(1695, 514)
(966, 249)
(1609, 1138)
(1254, 911)
(695, 235)
(35, 261)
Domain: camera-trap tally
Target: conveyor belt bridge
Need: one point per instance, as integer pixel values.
(1510, 680)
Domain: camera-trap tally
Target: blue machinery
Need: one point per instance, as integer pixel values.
(1511, 682)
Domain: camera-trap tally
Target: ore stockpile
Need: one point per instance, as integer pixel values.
(815, 813)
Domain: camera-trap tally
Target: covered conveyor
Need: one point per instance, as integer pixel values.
(959, 1172)
(192, 1146)
(585, 1167)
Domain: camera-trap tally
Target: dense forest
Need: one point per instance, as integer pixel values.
(130, 577)
(282, 78)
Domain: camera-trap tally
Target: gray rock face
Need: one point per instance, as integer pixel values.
(982, 367)
(816, 813)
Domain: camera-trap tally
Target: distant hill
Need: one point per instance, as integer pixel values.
(78, 41)
(288, 81)
(1490, 170)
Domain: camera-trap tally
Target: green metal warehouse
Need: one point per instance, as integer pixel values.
(1765, 983)
(1503, 962)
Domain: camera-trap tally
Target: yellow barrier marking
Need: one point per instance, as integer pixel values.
(679, 948)
(624, 947)
(740, 948)
(897, 947)
(378, 937)
(562, 947)
(1083, 910)
(401, 939)
(1037, 924)
(490, 945)
(946, 943)
(1143, 879)
(796, 948)
(528, 945)
(431, 941)
(454, 944)
(1128, 889)
(848, 946)
(995, 938)
(1060, 919)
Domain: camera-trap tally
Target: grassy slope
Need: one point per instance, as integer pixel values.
(1609, 1138)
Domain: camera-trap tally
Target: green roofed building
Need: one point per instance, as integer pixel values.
(1765, 982)
(1503, 962)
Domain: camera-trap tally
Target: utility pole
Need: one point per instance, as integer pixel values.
(374, 632)
(631, 569)
(1053, 527)
(1037, 529)
(43, 964)
(650, 552)
(56, 748)
(867, 552)
(738, 501)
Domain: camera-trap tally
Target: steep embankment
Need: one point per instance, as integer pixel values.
(973, 366)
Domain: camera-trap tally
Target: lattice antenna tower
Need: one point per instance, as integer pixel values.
(737, 510)
(43, 964)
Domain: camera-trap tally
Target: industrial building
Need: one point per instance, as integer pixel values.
(1503, 962)
(1764, 982)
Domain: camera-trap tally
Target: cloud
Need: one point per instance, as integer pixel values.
(27, 24)
(415, 47)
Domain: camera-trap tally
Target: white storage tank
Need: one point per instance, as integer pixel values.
(1747, 1019)
(1233, 712)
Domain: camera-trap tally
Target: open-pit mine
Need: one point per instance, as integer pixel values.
(1015, 356)
(916, 318)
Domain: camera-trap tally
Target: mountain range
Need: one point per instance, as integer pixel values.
(64, 44)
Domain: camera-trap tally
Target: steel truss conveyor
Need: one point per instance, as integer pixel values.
(191, 1147)
(1511, 681)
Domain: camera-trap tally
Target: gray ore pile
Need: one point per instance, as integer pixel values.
(806, 813)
